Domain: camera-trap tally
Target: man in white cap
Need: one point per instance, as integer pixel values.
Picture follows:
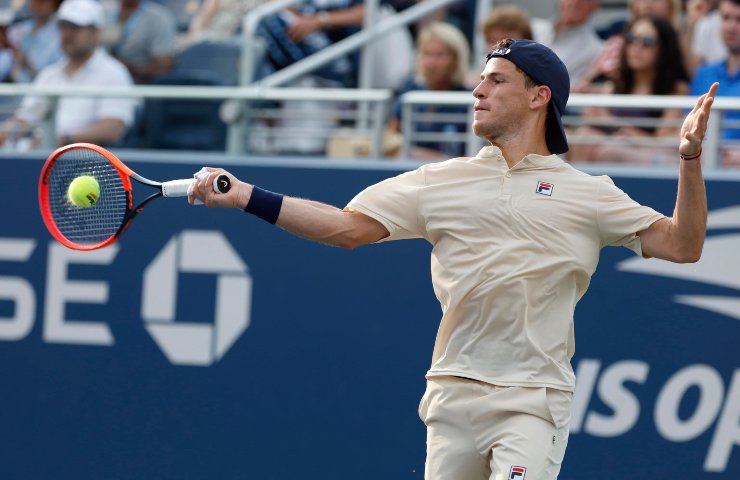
(97, 120)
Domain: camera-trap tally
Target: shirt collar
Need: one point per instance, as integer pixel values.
(531, 161)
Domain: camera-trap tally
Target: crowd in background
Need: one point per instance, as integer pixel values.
(656, 47)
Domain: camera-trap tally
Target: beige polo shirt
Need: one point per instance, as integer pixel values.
(513, 251)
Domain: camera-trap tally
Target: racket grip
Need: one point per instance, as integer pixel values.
(177, 188)
(180, 188)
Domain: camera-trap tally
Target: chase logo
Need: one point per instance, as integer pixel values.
(719, 265)
(189, 343)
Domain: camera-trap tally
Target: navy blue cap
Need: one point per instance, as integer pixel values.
(544, 68)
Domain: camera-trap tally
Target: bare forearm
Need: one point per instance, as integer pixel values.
(319, 222)
(305, 218)
(690, 216)
(681, 238)
(105, 132)
(352, 16)
(159, 65)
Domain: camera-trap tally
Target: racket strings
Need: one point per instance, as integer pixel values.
(87, 225)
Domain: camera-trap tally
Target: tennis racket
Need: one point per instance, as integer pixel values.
(99, 225)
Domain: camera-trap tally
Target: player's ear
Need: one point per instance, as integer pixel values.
(540, 95)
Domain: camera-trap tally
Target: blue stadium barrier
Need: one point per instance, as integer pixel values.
(208, 344)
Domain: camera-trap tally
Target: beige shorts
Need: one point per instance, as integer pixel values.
(479, 431)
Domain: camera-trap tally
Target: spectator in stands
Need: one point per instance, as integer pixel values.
(651, 64)
(669, 10)
(727, 72)
(506, 21)
(35, 41)
(78, 119)
(442, 55)
(703, 33)
(144, 38)
(217, 20)
(607, 63)
(571, 35)
(6, 50)
(294, 34)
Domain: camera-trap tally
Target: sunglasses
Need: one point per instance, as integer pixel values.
(633, 39)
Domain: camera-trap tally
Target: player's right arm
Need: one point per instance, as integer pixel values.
(327, 224)
(305, 218)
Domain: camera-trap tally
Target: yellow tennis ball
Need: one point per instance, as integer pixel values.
(84, 191)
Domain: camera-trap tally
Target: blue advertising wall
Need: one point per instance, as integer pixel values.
(208, 344)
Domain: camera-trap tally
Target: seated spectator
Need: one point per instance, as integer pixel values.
(442, 55)
(727, 73)
(506, 21)
(571, 36)
(294, 34)
(606, 64)
(6, 50)
(35, 41)
(144, 38)
(651, 64)
(669, 10)
(77, 119)
(703, 33)
(217, 20)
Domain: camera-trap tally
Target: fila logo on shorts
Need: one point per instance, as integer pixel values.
(545, 188)
(517, 473)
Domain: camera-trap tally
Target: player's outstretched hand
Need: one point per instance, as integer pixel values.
(695, 125)
(237, 197)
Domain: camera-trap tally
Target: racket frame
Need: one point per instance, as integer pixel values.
(125, 174)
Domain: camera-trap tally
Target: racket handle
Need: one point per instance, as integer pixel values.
(180, 188)
(177, 188)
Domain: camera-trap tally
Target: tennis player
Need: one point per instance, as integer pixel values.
(516, 235)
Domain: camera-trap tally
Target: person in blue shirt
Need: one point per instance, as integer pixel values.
(441, 65)
(727, 72)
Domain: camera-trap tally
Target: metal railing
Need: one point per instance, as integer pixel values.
(379, 99)
(713, 142)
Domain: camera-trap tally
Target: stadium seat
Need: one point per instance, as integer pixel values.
(183, 124)
(217, 57)
(182, 11)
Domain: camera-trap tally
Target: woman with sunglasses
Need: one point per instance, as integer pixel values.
(650, 64)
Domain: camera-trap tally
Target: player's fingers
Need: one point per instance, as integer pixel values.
(713, 89)
(698, 104)
(705, 101)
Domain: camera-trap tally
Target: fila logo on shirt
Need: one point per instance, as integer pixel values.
(517, 473)
(545, 188)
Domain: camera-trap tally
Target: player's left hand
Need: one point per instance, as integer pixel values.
(695, 125)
